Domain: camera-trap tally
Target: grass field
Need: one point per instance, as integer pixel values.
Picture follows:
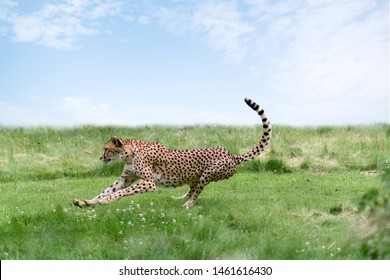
(297, 201)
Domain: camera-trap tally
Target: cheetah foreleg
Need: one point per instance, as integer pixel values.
(142, 187)
(122, 182)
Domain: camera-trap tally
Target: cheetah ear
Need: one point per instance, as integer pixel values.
(116, 141)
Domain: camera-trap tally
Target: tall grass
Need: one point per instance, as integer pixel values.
(47, 153)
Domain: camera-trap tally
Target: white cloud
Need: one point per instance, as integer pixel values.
(331, 51)
(306, 52)
(58, 25)
(8, 3)
(220, 23)
(143, 19)
(66, 111)
(177, 20)
(320, 53)
(15, 115)
(3, 31)
(5, 5)
(83, 110)
(331, 112)
(59, 33)
(225, 28)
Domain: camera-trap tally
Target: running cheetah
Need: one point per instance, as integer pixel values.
(152, 163)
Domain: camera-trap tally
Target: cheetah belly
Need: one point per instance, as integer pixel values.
(173, 178)
(163, 181)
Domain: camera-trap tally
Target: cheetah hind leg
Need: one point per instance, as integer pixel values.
(222, 169)
(195, 193)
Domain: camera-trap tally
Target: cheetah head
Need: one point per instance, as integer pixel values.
(113, 151)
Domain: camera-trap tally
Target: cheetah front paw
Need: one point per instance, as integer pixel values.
(81, 203)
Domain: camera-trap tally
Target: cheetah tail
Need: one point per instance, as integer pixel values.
(265, 138)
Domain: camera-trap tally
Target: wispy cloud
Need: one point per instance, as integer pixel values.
(16, 115)
(59, 24)
(9, 3)
(319, 52)
(81, 110)
(220, 23)
(308, 51)
(65, 111)
(334, 47)
(224, 27)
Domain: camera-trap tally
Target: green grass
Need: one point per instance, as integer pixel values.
(297, 201)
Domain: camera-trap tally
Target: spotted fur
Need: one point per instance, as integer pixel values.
(151, 163)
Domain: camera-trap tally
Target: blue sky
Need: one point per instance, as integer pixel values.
(114, 62)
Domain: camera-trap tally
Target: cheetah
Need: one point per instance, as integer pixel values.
(151, 163)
